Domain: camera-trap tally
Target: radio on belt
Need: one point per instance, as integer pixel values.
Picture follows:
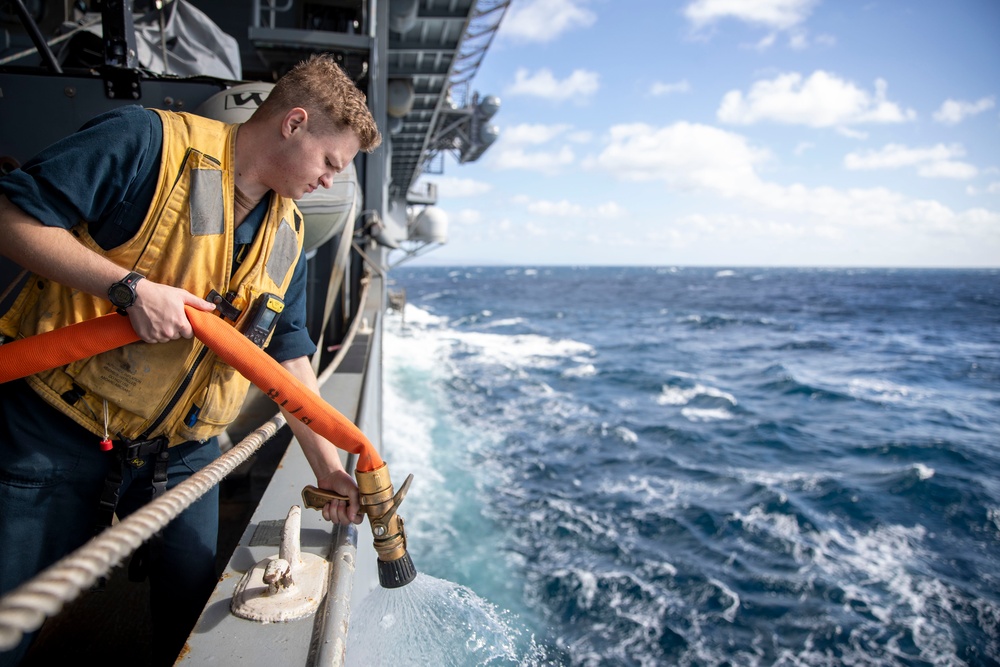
(259, 322)
(262, 318)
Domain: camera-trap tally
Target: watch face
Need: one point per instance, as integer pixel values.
(121, 295)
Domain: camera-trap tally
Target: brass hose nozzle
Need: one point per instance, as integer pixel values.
(395, 567)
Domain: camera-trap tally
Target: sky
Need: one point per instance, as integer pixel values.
(735, 133)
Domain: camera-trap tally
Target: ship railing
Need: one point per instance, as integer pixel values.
(24, 609)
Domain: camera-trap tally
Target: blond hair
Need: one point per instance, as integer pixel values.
(324, 90)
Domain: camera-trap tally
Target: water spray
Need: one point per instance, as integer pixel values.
(395, 567)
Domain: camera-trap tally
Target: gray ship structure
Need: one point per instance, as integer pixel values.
(288, 579)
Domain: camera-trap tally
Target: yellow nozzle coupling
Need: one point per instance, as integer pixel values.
(395, 567)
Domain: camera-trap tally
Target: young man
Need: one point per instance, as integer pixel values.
(145, 212)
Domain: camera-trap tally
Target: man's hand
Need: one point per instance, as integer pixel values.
(323, 456)
(338, 511)
(158, 312)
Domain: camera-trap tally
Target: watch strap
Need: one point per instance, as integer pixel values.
(131, 279)
(128, 281)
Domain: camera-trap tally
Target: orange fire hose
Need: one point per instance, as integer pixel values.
(27, 356)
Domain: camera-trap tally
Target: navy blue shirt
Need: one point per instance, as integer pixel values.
(106, 174)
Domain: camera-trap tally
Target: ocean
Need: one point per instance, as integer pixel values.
(700, 466)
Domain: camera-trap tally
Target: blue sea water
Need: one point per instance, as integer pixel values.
(692, 466)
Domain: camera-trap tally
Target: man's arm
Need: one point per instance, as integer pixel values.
(323, 456)
(53, 252)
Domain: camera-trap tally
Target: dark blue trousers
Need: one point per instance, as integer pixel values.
(52, 472)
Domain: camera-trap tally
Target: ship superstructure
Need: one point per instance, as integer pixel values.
(65, 62)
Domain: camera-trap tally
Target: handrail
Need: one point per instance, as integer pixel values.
(25, 608)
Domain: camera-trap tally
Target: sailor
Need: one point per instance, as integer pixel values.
(146, 212)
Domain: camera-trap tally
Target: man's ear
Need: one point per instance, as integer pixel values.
(294, 121)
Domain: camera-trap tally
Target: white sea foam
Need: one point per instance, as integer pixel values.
(650, 492)
(416, 315)
(626, 435)
(421, 329)
(730, 612)
(994, 515)
(880, 572)
(581, 371)
(725, 273)
(520, 350)
(878, 390)
(506, 322)
(706, 414)
(682, 395)
(806, 481)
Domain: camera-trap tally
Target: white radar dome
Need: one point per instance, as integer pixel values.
(489, 106)
(431, 226)
(488, 134)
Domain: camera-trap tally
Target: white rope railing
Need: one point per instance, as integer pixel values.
(25, 608)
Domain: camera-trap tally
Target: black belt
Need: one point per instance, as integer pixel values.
(133, 453)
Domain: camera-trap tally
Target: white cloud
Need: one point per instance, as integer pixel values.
(559, 209)
(566, 209)
(822, 100)
(892, 156)
(933, 162)
(766, 42)
(531, 133)
(514, 157)
(953, 112)
(513, 149)
(659, 88)
(451, 187)
(774, 14)
(991, 189)
(544, 20)
(687, 156)
(581, 83)
(948, 169)
(798, 40)
(804, 146)
(851, 133)
(610, 210)
(468, 216)
(718, 163)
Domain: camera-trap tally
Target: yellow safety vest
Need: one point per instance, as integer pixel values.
(178, 389)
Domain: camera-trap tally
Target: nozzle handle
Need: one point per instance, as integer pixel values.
(316, 499)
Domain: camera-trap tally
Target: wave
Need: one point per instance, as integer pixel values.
(672, 395)
(648, 495)
(711, 321)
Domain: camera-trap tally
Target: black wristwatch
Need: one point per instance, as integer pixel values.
(122, 293)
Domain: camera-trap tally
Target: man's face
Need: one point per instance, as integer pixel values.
(309, 159)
